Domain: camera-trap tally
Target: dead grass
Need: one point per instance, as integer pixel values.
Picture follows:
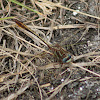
(27, 68)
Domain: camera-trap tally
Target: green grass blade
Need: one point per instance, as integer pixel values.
(6, 18)
(20, 4)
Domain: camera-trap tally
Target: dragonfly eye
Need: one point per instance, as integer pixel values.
(67, 59)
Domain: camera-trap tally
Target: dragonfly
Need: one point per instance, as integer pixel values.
(59, 53)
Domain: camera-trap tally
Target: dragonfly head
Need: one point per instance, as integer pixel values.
(67, 59)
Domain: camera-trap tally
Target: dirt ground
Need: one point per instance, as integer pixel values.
(30, 69)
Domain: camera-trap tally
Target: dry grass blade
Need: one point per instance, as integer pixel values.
(45, 6)
(19, 92)
(31, 73)
(90, 54)
(86, 64)
(17, 52)
(72, 26)
(60, 6)
(59, 88)
(22, 39)
(49, 66)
